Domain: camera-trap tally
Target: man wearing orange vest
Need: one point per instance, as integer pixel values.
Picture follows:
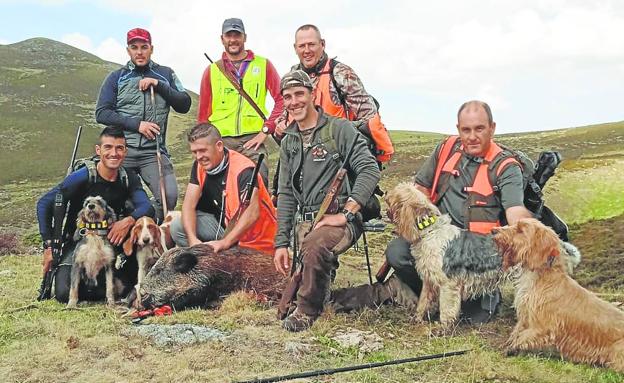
(219, 178)
(338, 90)
(477, 183)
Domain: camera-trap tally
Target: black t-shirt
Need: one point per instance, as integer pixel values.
(212, 199)
(114, 193)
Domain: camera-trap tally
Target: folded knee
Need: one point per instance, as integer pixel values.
(398, 253)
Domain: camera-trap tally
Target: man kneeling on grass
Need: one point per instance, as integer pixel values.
(109, 180)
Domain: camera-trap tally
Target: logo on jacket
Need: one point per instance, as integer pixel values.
(319, 153)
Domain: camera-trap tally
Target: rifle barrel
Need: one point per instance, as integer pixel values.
(332, 371)
(75, 150)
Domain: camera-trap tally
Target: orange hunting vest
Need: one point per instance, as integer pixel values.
(482, 208)
(260, 236)
(322, 97)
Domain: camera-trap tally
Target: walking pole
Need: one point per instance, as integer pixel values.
(163, 195)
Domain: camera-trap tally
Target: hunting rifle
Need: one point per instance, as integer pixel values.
(161, 176)
(251, 185)
(331, 371)
(329, 205)
(45, 290)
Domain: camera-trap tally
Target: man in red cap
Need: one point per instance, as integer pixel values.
(125, 101)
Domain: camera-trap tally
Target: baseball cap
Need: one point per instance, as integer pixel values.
(295, 78)
(233, 24)
(139, 34)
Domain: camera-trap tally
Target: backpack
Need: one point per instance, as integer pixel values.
(91, 163)
(379, 140)
(534, 178)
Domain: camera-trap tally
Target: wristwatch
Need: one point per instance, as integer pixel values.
(47, 244)
(348, 215)
(265, 130)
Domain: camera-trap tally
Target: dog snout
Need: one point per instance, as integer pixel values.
(145, 239)
(496, 230)
(91, 206)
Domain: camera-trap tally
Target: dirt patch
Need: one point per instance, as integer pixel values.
(180, 334)
(602, 246)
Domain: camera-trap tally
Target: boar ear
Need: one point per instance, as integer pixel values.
(184, 262)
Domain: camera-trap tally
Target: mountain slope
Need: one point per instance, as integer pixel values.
(47, 89)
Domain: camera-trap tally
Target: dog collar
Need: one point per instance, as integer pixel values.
(97, 228)
(424, 222)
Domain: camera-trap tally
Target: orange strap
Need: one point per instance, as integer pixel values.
(443, 156)
(482, 227)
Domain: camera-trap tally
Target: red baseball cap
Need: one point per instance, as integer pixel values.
(139, 34)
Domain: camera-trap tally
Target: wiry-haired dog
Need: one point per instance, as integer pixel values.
(93, 251)
(552, 308)
(454, 264)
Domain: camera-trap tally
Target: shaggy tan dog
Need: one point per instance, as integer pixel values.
(454, 264)
(93, 251)
(552, 308)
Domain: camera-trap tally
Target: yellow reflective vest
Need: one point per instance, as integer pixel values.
(231, 113)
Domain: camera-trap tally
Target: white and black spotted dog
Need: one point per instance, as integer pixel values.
(93, 250)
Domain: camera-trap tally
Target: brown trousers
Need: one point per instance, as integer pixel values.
(319, 252)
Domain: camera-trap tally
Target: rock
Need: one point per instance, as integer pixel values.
(297, 349)
(364, 341)
(7, 273)
(177, 334)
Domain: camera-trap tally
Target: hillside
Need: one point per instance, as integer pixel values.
(47, 89)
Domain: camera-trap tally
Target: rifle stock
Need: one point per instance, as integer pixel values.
(329, 204)
(45, 290)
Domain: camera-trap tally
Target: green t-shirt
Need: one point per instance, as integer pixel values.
(452, 203)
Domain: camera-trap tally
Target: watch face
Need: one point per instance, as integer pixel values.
(265, 129)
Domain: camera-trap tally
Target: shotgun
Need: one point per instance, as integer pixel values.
(45, 290)
(251, 185)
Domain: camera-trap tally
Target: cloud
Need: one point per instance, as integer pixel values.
(109, 49)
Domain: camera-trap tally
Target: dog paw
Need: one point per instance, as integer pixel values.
(72, 305)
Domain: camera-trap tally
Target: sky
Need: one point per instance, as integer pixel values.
(540, 64)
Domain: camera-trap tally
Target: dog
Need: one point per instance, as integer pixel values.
(453, 263)
(552, 308)
(151, 242)
(93, 250)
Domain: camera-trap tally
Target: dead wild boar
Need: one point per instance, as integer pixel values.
(196, 276)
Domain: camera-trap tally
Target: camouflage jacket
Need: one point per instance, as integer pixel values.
(358, 100)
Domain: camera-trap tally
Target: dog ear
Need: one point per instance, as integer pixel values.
(128, 245)
(185, 262)
(406, 221)
(155, 233)
(544, 247)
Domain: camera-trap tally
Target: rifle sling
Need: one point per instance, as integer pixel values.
(239, 88)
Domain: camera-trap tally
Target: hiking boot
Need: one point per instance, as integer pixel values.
(298, 321)
(400, 293)
(482, 309)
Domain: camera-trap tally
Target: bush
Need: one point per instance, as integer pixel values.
(9, 243)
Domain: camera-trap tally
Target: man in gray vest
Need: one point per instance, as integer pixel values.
(125, 101)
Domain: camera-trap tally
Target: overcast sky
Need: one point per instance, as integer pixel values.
(541, 64)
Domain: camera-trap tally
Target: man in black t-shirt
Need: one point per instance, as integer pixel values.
(110, 185)
(212, 199)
